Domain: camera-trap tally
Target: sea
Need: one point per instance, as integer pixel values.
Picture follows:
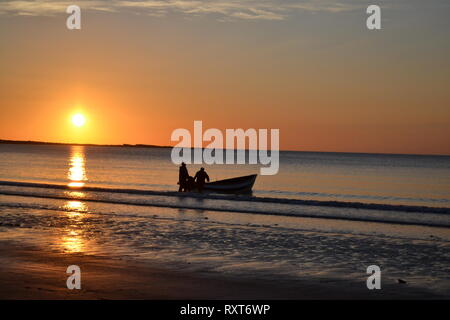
(324, 215)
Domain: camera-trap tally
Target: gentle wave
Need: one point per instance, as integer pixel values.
(426, 216)
(254, 199)
(390, 217)
(298, 194)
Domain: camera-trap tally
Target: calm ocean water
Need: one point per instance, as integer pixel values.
(369, 178)
(323, 215)
(372, 178)
(390, 188)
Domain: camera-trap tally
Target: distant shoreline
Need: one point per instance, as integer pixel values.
(31, 142)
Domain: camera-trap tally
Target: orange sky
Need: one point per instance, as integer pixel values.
(324, 80)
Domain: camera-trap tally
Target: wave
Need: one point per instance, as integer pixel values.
(298, 194)
(246, 198)
(389, 217)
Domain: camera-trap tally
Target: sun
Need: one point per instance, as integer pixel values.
(78, 120)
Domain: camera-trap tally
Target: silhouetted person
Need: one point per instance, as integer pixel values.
(183, 178)
(200, 178)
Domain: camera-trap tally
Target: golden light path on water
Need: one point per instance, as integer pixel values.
(77, 167)
(75, 207)
(72, 241)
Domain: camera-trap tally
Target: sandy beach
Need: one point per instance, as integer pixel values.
(32, 273)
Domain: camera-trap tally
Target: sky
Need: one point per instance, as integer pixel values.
(138, 70)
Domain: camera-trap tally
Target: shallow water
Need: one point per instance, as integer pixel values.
(230, 242)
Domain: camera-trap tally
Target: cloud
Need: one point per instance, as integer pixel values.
(224, 9)
(48, 7)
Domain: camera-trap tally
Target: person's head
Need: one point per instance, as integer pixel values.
(202, 169)
(183, 164)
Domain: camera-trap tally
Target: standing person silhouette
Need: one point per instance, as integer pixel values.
(183, 178)
(200, 178)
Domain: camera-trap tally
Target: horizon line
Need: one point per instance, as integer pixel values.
(141, 145)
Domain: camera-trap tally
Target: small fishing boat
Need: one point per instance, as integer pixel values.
(242, 184)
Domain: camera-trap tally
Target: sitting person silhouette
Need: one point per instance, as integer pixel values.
(200, 178)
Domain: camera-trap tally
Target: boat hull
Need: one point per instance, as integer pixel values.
(242, 184)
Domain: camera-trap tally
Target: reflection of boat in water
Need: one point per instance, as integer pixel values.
(242, 184)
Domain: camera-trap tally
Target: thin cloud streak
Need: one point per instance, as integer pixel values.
(224, 9)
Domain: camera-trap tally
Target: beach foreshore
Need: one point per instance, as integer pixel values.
(35, 273)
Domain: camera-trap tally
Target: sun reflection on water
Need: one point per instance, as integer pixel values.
(74, 205)
(73, 241)
(75, 194)
(77, 168)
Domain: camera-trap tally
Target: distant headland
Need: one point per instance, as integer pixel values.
(80, 144)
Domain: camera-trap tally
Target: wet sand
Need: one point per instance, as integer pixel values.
(34, 273)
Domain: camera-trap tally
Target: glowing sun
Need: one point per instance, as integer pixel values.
(78, 120)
